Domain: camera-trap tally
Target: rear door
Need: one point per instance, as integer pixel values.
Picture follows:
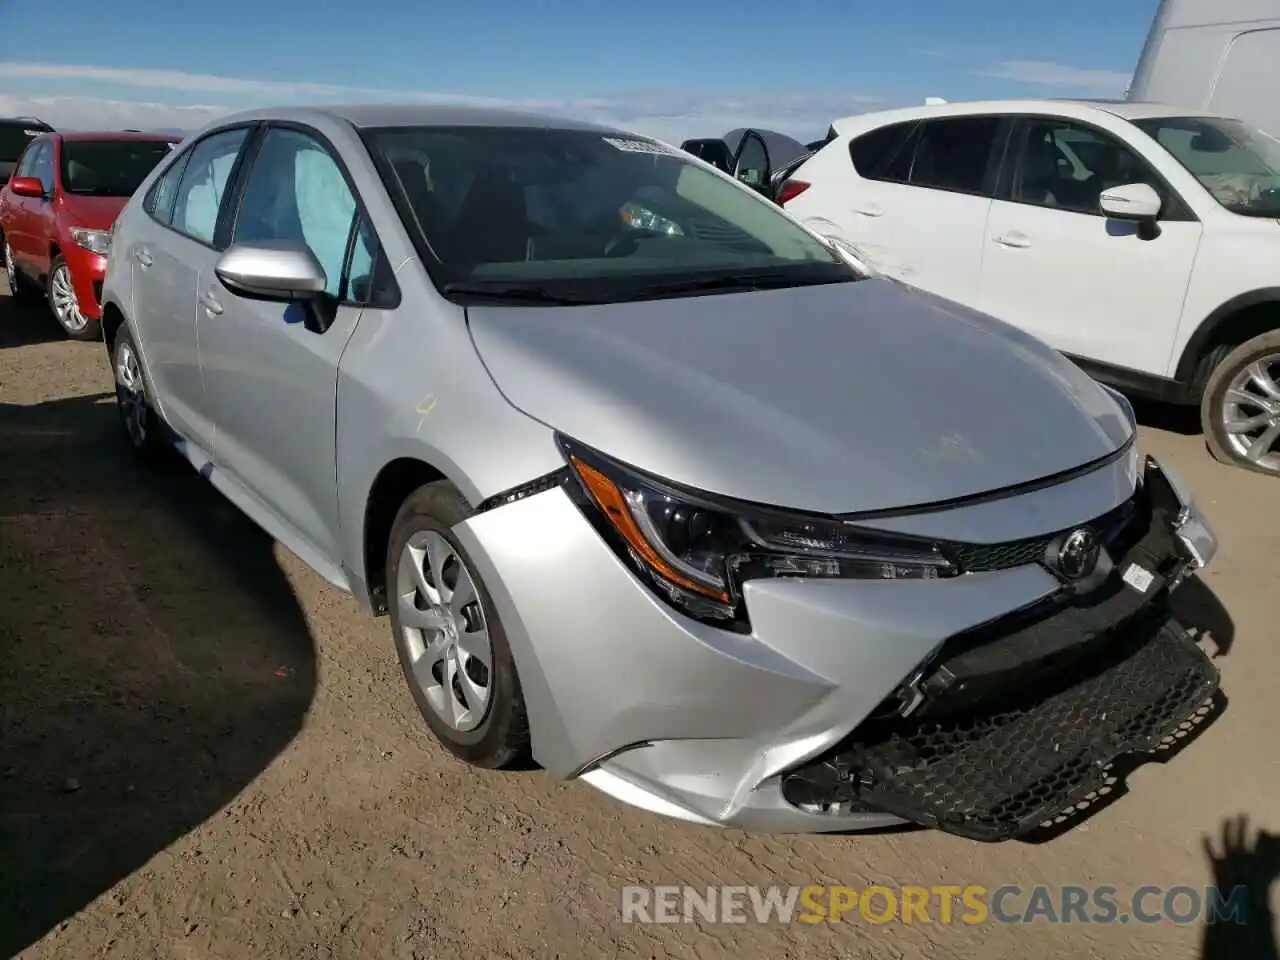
(169, 249)
(920, 213)
(15, 212)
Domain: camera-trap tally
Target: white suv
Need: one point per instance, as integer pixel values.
(1140, 240)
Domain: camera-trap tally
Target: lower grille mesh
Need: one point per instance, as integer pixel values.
(997, 774)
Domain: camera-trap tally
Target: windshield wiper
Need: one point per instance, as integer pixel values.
(526, 293)
(756, 281)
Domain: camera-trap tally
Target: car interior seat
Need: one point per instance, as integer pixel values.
(493, 224)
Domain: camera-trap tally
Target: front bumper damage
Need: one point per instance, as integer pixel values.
(1013, 724)
(859, 704)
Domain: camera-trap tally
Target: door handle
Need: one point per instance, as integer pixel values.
(211, 304)
(1017, 240)
(142, 257)
(869, 211)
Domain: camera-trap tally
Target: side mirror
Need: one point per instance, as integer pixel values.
(713, 151)
(27, 187)
(278, 270)
(1131, 201)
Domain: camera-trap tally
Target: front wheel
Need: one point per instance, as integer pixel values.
(1240, 410)
(66, 306)
(450, 642)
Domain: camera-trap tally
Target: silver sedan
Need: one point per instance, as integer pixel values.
(655, 484)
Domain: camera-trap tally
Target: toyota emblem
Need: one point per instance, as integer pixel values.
(1077, 555)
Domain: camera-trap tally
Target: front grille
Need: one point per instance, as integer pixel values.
(984, 558)
(1004, 770)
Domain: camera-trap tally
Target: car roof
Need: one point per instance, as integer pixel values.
(116, 135)
(1077, 109)
(369, 115)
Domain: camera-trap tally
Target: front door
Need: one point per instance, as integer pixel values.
(1100, 289)
(271, 369)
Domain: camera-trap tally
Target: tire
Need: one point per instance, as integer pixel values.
(494, 733)
(144, 432)
(19, 289)
(1230, 378)
(60, 291)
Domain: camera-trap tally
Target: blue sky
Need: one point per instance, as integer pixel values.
(670, 68)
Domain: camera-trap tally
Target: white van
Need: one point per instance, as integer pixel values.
(1222, 56)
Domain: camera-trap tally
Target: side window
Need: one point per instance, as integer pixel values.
(23, 169)
(296, 191)
(368, 274)
(1066, 166)
(883, 154)
(159, 202)
(955, 154)
(42, 166)
(203, 183)
(753, 161)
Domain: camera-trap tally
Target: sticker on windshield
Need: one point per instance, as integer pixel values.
(33, 133)
(639, 146)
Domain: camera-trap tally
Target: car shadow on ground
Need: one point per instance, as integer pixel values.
(155, 659)
(1168, 417)
(1249, 865)
(27, 323)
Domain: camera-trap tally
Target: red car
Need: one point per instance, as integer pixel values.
(56, 214)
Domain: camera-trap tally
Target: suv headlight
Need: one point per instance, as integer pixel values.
(1123, 403)
(95, 241)
(696, 550)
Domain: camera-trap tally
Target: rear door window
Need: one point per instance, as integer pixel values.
(955, 154)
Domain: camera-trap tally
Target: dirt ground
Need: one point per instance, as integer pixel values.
(208, 752)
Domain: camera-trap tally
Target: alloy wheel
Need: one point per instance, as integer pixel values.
(131, 394)
(10, 270)
(1250, 413)
(65, 306)
(444, 631)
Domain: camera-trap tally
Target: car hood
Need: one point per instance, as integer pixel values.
(94, 213)
(836, 398)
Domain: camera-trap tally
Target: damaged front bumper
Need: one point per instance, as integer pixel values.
(1010, 726)
(852, 704)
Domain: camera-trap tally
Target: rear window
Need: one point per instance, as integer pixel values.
(109, 168)
(15, 135)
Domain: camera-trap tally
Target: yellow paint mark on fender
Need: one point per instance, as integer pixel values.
(427, 405)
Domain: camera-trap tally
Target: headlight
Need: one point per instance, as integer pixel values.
(697, 551)
(640, 218)
(95, 241)
(1124, 403)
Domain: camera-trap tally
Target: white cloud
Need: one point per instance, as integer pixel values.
(670, 114)
(1045, 74)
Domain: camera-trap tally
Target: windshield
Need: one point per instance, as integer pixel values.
(1237, 163)
(109, 168)
(608, 217)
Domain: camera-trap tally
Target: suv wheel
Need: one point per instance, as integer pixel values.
(450, 641)
(65, 305)
(1240, 410)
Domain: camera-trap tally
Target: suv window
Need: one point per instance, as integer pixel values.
(296, 191)
(955, 154)
(204, 182)
(1066, 165)
(15, 137)
(883, 154)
